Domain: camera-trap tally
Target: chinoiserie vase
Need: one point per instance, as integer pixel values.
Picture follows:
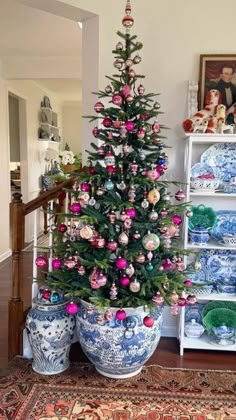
(50, 332)
(118, 349)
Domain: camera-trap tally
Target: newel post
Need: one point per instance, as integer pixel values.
(15, 307)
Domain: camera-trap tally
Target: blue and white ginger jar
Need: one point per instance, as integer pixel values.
(118, 349)
(50, 332)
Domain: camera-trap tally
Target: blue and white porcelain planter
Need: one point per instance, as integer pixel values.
(50, 332)
(118, 349)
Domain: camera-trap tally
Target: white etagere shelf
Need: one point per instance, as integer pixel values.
(196, 144)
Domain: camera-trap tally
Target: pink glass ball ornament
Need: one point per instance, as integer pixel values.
(180, 195)
(158, 299)
(101, 279)
(120, 314)
(177, 219)
(181, 302)
(41, 261)
(167, 264)
(117, 123)
(123, 239)
(135, 286)
(101, 151)
(109, 159)
(117, 99)
(107, 122)
(140, 258)
(156, 127)
(153, 174)
(85, 186)
(132, 74)
(108, 315)
(62, 228)
(121, 263)
(72, 308)
(124, 281)
(129, 125)
(131, 212)
(56, 263)
(112, 245)
(118, 64)
(46, 294)
(70, 263)
(148, 321)
(95, 131)
(188, 283)
(191, 300)
(174, 309)
(126, 90)
(75, 207)
(81, 270)
(137, 59)
(98, 107)
(141, 133)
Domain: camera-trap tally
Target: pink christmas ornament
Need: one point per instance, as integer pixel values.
(101, 280)
(167, 265)
(156, 127)
(72, 308)
(117, 124)
(107, 122)
(180, 195)
(148, 321)
(131, 212)
(62, 228)
(157, 299)
(174, 309)
(141, 133)
(75, 207)
(95, 131)
(182, 302)
(112, 245)
(117, 99)
(41, 261)
(56, 264)
(132, 73)
(177, 219)
(191, 300)
(129, 125)
(120, 314)
(153, 174)
(85, 186)
(124, 281)
(140, 258)
(188, 283)
(126, 90)
(121, 263)
(108, 315)
(70, 263)
(99, 107)
(46, 294)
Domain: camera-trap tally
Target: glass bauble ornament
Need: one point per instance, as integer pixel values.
(62, 228)
(99, 107)
(137, 59)
(113, 292)
(148, 321)
(149, 267)
(108, 315)
(119, 46)
(141, 133)
(112, 217)
(70, 263)
(167, 264)
(81, 270)
(130, 99)
(153, 216)
(131, 212)
(125, 149)
(156, 127)
(56, 263)
(120, 314)
(182, 301)
(85, 186)
(136, 235)
(129, 125)
(128, 223)
(191, 300)
(154, 196)
(108, 89)
(55, 297)
(124, 281)
(129, 62)
(156, 105)
(174, 297)
(107, 122)
(123, 216)
(123, 239)
(101, 243)
(177, 219)
(112, 245)
(153, 174)
(101, 151)
(118, 64)
(101, 279)
(86, 232)
(145, 204)
(109, 159)
(141, 89)
(158, 299)
(117, 123)
(41, 261)
(126, 89)
(72, 308)
(174, 309)
(134, 168)
(151, 241)
(121, 263)
(117, 99)
(188, 283)
(135, 286)
(75, 207)
(180, 195)
(95, 131)
(140, 258)
(132, 74)
(109, 185)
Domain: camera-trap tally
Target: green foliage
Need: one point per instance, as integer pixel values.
(217, 305)
(218, 317)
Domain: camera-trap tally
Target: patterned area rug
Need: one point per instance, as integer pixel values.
(82, 394)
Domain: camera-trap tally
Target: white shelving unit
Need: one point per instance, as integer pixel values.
(49, 125)
(196, 144)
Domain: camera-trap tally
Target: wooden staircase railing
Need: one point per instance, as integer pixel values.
(18, 212)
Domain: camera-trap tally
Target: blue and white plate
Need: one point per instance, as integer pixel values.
(200, 169)
(225, 223)
(217, 267)
(222, 158)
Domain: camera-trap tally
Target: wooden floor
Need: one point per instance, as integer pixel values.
(167, 353)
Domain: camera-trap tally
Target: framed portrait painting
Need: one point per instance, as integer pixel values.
(218, 71)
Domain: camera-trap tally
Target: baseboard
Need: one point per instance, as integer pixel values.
(5, 255)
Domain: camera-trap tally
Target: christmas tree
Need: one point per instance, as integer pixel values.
(121, 246)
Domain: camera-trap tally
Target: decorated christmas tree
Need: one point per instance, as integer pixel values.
(119, 244)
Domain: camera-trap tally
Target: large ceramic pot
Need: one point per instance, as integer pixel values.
(118, 349)
(50, 331)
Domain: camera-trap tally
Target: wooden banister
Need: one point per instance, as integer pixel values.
(18, 211)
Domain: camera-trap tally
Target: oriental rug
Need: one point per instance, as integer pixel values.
(81, 393)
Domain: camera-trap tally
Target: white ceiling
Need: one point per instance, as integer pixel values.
(28, 32)
(25, 31)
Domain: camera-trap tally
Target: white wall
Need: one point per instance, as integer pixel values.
(71, 117)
